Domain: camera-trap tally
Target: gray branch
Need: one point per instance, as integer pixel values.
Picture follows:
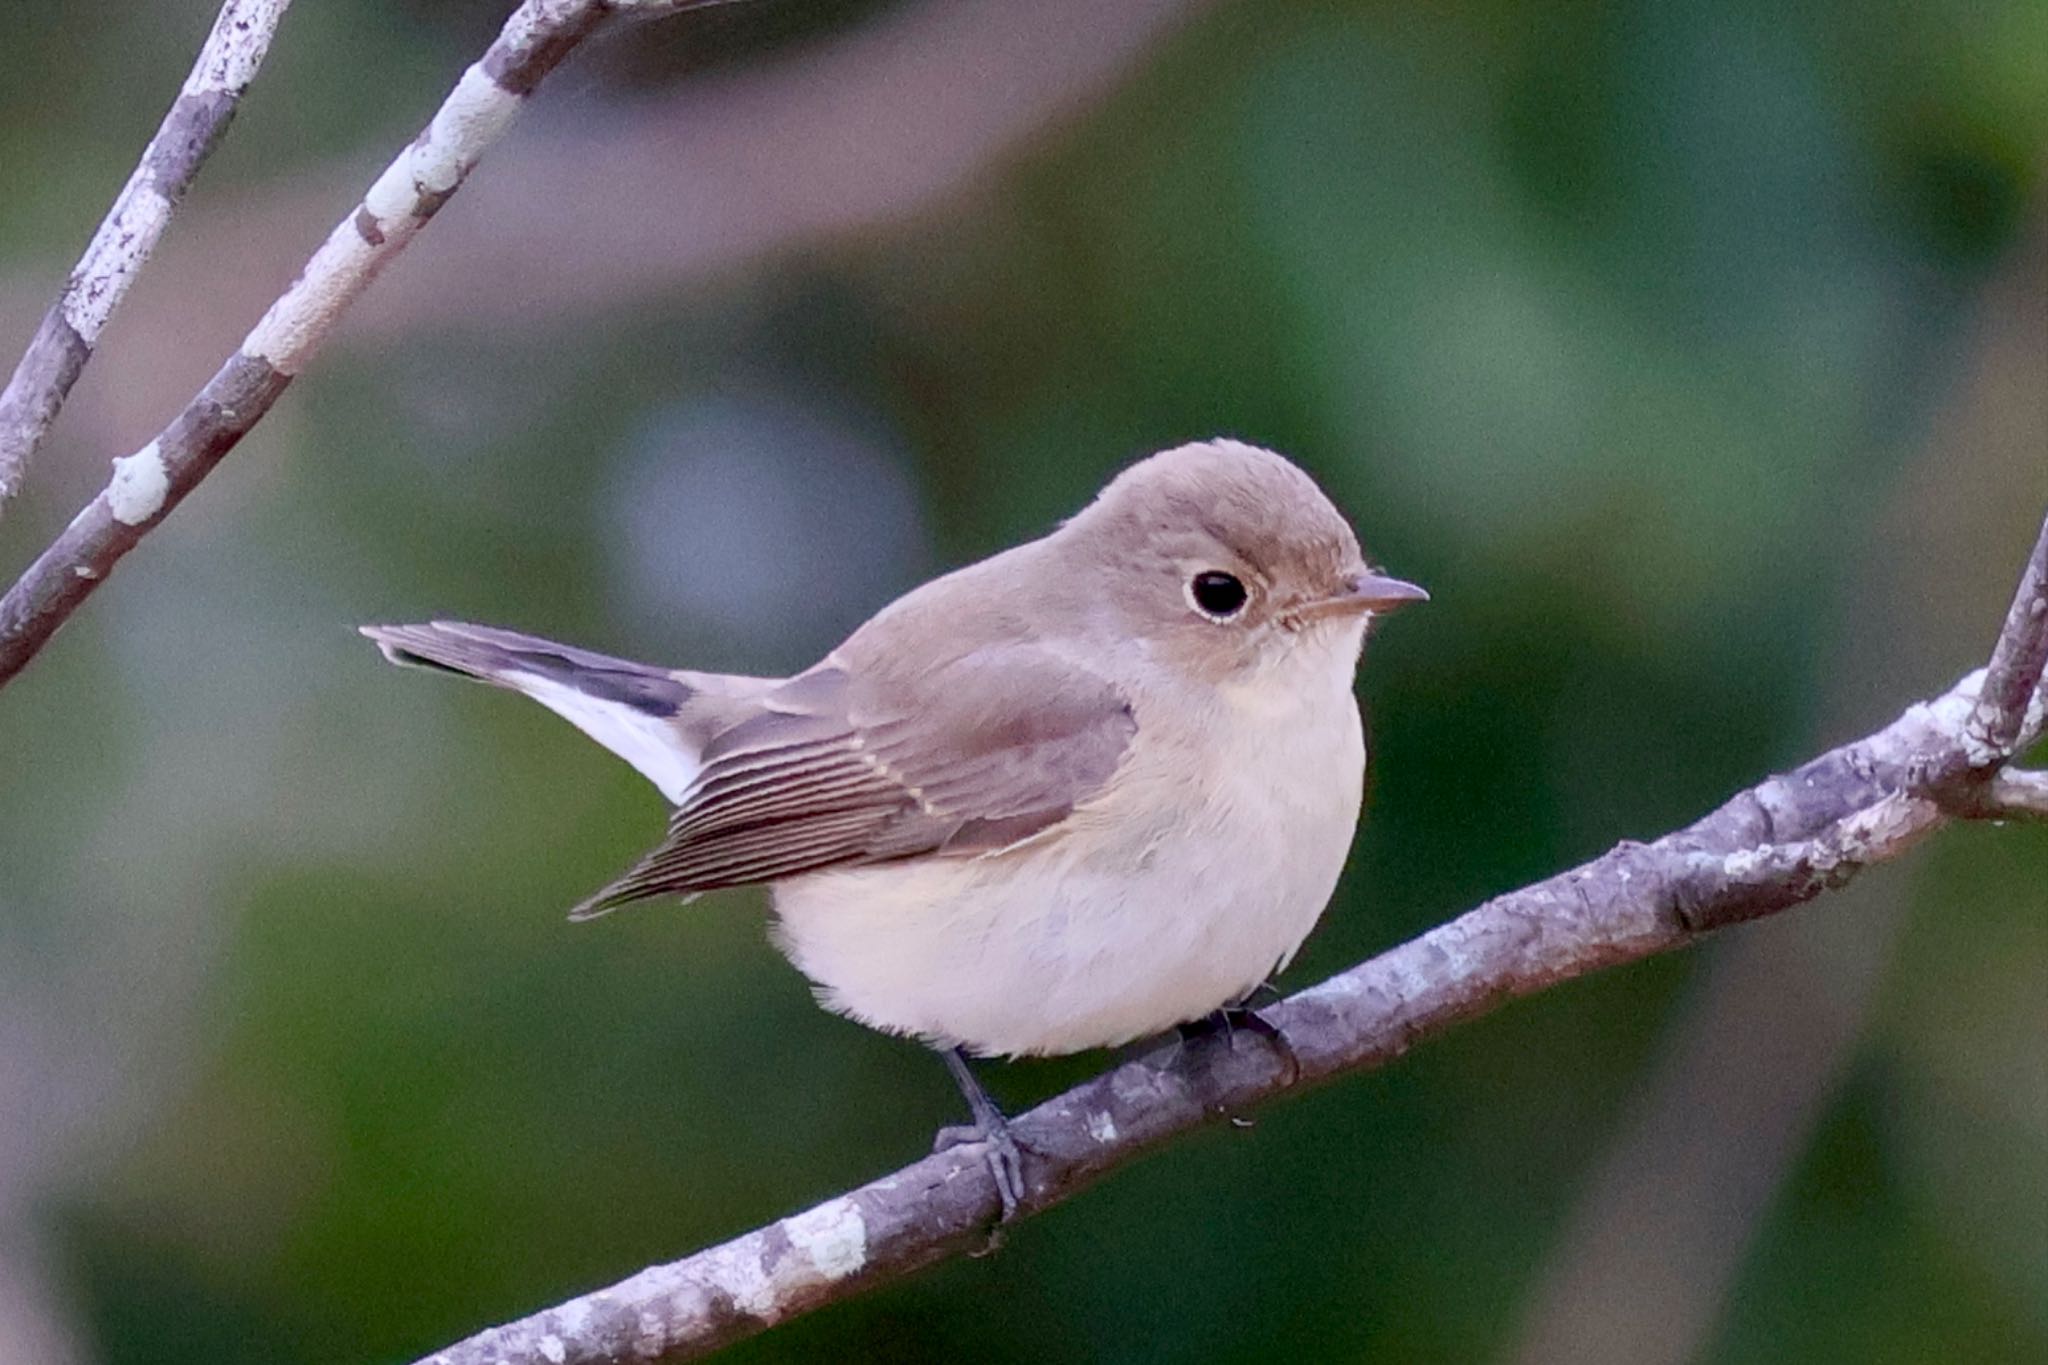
(1774, 846)
(146, 485)
(1997, 725)
(2016, 795)
(64, 341)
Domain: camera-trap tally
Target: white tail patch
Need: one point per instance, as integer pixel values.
(655, 747)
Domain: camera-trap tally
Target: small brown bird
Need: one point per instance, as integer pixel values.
(1086, 790)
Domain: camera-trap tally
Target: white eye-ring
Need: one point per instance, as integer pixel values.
(1217, 595)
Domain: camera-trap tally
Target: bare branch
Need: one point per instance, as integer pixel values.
(2018, 794)
(64, 342)
(2012, 682)
(147, 484)
(1774, 846)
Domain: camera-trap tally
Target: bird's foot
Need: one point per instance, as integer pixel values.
(1005, 1161)
(992, 1130)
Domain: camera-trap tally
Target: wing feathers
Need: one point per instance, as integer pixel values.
(761, 853)
(828, 772)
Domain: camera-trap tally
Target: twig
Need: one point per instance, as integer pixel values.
(64, 342)
(2017, 795)
(147, 484)
(2013, 680)
(1771, 847)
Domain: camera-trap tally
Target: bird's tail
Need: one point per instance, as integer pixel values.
(639, 712)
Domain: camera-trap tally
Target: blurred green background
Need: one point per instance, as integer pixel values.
(1692, 354)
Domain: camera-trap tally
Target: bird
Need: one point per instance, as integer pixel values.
(1087, 790)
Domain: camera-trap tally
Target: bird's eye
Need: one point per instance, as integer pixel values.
(1217, 595)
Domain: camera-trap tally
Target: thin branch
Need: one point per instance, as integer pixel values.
(2016, 794)
(146, 485)
(1772, 847)
(2013, 680)
(64, 342)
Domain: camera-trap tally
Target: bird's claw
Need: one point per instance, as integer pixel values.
(992, 1130)
(1005, 1161)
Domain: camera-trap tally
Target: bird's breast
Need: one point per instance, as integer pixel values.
(1183, 885)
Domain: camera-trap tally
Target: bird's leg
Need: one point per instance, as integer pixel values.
(1251, 997)
(1005, 1162)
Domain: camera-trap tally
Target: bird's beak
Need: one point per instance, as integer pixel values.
(1364, 591)
(1369, 591)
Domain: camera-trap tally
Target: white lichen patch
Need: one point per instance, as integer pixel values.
(765, 1273)
(139, 486)
(574, 1315)
(296, 324)
(1101, 1126)
(235, 48)
(834, 1236)
(1979, 751)
(735, 1270)
(551, 1346)
(1746, 863)
(124, 240)
(532, 21)
(393, 194)
(476, 111)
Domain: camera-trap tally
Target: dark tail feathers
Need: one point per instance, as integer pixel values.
(490, 655)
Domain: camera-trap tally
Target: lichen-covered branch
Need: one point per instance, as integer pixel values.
(64, 341)
(146, 485)
(1774, 846)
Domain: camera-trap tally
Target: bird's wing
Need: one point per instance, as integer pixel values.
(829, 771)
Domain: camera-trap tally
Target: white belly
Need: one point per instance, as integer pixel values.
(1161, 902)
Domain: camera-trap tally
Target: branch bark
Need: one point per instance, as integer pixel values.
(71, 328)
(2000, 719)
(146, 485)
(1771, 847)
(2019, 795)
